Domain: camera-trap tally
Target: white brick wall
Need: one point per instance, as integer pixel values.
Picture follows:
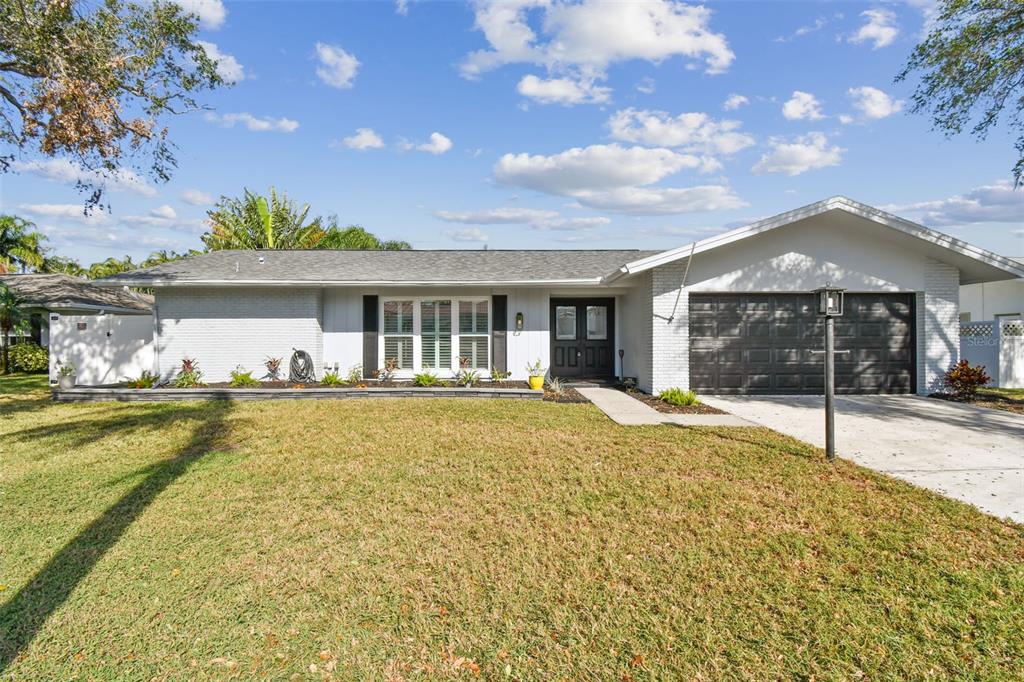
(938, 324)
(670, 340)
(231, 326)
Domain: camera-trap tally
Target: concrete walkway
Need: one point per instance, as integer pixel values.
(628, 411)
(973, 454)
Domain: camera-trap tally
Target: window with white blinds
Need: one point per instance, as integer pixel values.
(398, 333)
(436, 334)
(474, 334)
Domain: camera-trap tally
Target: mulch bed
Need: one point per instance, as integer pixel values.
(568, 395)
(992, 400)
(371, 383)
(661, 406)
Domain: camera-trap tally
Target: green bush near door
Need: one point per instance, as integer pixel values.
(29, 357)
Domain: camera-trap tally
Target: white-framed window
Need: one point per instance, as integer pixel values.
(434, 333)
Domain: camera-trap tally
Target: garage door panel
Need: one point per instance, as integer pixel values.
(766, 343)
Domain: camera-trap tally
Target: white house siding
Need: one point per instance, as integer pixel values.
(634, 310)
(343, 328)
(104, 349)
(534, 341)
(850, 253)
(985, 301)
(226, 327)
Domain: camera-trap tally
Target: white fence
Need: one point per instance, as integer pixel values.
(999, 346)
(103, 348)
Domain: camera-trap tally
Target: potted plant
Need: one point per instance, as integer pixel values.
(536, 373)
(66, 376)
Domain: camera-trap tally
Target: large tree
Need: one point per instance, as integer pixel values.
(93, 82)
(972, 70)
(258, 222)
(21, 246)
(357, 238)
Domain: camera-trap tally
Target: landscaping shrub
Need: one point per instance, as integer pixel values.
(425, 380)
(29, 357)
(963, 380)
(332, 379)
(555, 386)
(273, 366)
(467, 377)
(145, 380)
(240, 378)
(189, 376)
(355, 374)
(678, 397)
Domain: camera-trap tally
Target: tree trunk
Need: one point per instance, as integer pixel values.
(6, 355)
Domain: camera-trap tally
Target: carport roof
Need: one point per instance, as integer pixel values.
(63, 292)
(975, 264)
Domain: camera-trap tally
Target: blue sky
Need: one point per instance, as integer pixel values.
(549, 125)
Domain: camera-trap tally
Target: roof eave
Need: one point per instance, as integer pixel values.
(158, 283)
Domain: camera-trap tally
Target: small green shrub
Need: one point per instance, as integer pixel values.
(189, 376)
(498, 375)
(467, 377)
(29, 357)
(678, 397)
(145, 380)
(240, 378)
(964, 380)
(555, 386)
(332, 379)
(425, 380)
(355, 375)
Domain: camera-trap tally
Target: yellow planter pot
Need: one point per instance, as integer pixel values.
(536, 383)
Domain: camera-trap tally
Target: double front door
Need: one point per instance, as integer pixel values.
(582, 337)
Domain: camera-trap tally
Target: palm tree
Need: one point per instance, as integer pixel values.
(11, 317)
(21, 247)
(110, 266)
(356, 237)
(254, 222)
(62, 265)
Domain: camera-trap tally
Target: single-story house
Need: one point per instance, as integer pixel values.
(106, 333)
(1001, 300)
(729, 314)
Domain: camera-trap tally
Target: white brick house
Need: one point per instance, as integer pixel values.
(728, 314)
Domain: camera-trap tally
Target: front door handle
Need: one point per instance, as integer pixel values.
(579, 353)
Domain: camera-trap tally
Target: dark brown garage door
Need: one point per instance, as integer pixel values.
(763, 343)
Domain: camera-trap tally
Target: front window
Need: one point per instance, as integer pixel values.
(436, 334)
(474, 334)
(398, 338)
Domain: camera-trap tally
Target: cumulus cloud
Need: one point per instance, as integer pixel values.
(538, 219)
(74, 212)
(211, 13)
(364, 138)
(254, 123)
(694, 132)
(818, 24)
(662, 200)
(997, 203)
(564, 91)
(802, 106)
(879, 28)
(228, 67)
(646, 85)
(734, 102)
(799, 155)
(874, 103)
(468, 234)
(195, 197)
(582, 39)
(67, 171)
(438, 144)
(337, 67)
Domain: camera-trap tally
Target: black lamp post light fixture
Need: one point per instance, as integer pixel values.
(829, 304)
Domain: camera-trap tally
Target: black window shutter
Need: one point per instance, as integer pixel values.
(499, 332)
(370, 329)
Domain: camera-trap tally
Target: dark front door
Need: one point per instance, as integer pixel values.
(771, 343)
(582, 337)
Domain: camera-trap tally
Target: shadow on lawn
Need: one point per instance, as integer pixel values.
(27, 611)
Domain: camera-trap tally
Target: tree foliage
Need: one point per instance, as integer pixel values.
(21, 246)
(972, 70)
(93, 81)
(12, 316)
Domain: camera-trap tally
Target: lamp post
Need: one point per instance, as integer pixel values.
(829, 300)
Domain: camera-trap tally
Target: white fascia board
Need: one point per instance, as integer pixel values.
(838, 202)
(595, 281)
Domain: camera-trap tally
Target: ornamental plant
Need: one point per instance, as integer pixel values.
(963, 380)
(240, 378)
(29, 357)
(425, 380)
(145, 380)
(190, 375)
(332, 379)
(678, 397)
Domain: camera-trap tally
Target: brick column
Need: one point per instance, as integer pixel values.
(670, 339)
(938, 324)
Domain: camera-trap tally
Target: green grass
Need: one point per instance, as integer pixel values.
(19, 384)
(428, 539)
(1009, 399)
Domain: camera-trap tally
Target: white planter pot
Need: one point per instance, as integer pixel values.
(66, 382)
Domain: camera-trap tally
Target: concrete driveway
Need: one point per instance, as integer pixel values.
(968, 453)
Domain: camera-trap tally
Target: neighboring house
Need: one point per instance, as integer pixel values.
(106, 333)
(728, 314)
(993, 300)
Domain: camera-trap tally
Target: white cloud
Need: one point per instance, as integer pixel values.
(211, 13)
(165, 212)
(365, 138)
(228, 67)
(74, 212)
(802, 106)
(646, 85)
(805, 152)
(539, 219)
(734, 102)
(818, 24)
(694, 132)
(662, 200)
(845, 119)
(998, 203)
(438, 144)
(874, 103)
(337, 67)
(402, 7)
(469, 234)
(582, 39)
(67, 171)
(254, 123)
(879, 28)
(564, 91)
(196, 197)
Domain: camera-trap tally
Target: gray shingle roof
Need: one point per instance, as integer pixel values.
(55, 292)
(326, 266)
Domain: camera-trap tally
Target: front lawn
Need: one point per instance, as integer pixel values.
(1010, 399)
(432, 539)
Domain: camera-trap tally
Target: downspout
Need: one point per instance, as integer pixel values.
(679, 293)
